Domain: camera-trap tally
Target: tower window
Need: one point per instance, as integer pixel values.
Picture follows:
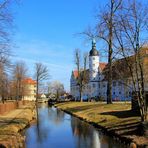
(94, 85)
(93, 58)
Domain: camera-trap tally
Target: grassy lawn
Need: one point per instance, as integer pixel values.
(116, 116)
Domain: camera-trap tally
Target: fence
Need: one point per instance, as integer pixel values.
(11, 105)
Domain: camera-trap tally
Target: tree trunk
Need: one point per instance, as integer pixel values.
(109, 84)
(110, 51)
(37, 90)
(80, 91)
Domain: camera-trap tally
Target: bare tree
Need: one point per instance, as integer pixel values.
(81, 69)
(41, 73)
(104, 30)
(56, 88)
(4, 81)
(6, 28)
(19, 73)
(131, 36)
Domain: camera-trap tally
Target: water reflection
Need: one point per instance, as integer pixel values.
(56, 129)
(88, 137)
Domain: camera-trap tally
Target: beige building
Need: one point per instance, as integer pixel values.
(30, 89)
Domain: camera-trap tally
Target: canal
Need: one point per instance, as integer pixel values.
(57, 129)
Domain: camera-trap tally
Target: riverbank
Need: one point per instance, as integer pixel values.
(12, 123)
(116, 119)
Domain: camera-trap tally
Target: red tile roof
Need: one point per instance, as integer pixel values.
(29, 81)
(102, 65)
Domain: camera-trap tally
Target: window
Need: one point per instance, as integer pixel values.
(114, 93)
(93, 58)
(103, 85)
(94, 85)
(119, 83)
(114, 84)
(119, 92)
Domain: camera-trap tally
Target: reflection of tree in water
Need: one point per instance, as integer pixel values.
(55, 115)
(59, 116)
(41, 128)
(80, 128)
(83, 133)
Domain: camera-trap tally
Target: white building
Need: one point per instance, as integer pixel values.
(97, 84)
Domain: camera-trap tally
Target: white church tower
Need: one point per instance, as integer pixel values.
(93, 62)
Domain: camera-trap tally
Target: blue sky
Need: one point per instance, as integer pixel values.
(46, 33)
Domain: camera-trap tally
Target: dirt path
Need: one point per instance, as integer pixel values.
(13, 122)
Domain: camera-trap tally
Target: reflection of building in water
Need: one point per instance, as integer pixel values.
(96, 140)
(84, 134)
(87, 136)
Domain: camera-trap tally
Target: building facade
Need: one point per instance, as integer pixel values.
(30, 89)
(97, 84)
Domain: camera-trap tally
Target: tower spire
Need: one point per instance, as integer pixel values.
(93, 42)
(93, 51)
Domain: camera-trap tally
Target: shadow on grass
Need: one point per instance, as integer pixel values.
(128, 125)
(82, 108)
(127, 129)
(122, 114)
(4, 122)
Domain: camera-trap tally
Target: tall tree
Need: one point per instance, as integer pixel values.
(41, 73)
(6, 23)
(6, 28)
(19, 74)
(81, 69)
(104, 30)
(131, 34)
(4, 81)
